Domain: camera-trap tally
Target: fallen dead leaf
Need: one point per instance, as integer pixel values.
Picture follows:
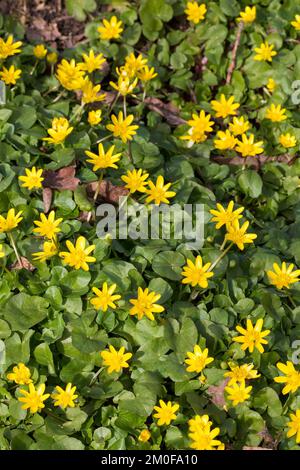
(217, 393)
(25, 264)
(61, 179)
(47, 199)
(255, 162)
(167, 110)
(108, 192)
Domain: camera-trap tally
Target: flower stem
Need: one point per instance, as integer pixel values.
(124, 106)
(224, 253)
(15, 249)
(96, 194)
(34, 67)
(103, 139)
(78, 112)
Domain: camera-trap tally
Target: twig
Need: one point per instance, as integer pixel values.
(234, 52)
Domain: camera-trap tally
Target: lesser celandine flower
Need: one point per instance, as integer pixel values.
(33, 178)
(11, 221)
(193, 136)
(40, 51)
(225, 140)
(196, 273)
(202, 436)
(165, 412)
(122, 128)
(239, 374)
(64, 398)
(296, 23)
(145, 304)
(265, 52)
(105, 297)
(11, 75)
(124, 86)
(115, 360)
(90, 92)
(135, 180)
(34, 399)
(248, 15)
(224, 107)
(288, 141)
(252, 337)
(195, 12)
(159, 192)
(201, 122)
(104, 159)
(20, 375)
(59, 131)
(294, 424)
(110, 29)
(283, 276)
(2, 254)
(271, 85)
(47, 227)
(198, 359)
(9, 47)
(239, 125)
(70, 75)
(247, 147)
(291, 377)
(146, 74)
(226, 216)
(238, 393)
(144, 436)
(94, 117)
(91, 62)
(50, 249)
(199, 423)
(238, 235)
(276, 113)
(134, 64)
(78, 255)
(52, 58)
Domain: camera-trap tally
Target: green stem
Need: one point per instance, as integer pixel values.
(287, 403)
(34, 67)
(15, 249)
(96, 194)
(224, 253)
(78, 112)
(103, 139)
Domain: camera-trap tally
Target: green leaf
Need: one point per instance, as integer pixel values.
(44, 356)
(169, 264)
(22, 311)
(250, 183)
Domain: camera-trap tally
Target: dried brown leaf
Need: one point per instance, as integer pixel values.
(108, 192)
(167, 110)
(47, 199)
(61, 179)
(25, 264)
(217, 393)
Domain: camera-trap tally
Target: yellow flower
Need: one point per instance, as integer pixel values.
(124, 87)
(198, 359)
(201, 122)
(121, 127)
(224, 108)
(105, 298)
(276, 113)
(111, 29)
(70, 75)
(248, 147)
(158, 192)
(91, 62)
(238, 393)
(40, 51)
(9, 47)
(52, 58)
(241, 373)
(194, 135)
(115, 360)
(252, 337)
(248, 16)
(145, 435)
(133, 65)
(90, 92)
(238, 235)
(166, 412)
(296, 22)
(264, 52)
(287, 140)
(11, 75)
(11, 220)
(59, 131)
(64, 398)
(226, 140)
(239, 126)
(196, 274)
(271, 85)
(20, 375)
(2, 254)
(226, 216)
(146, 74)
(94, 117)
(205, 440)
(33, 178)
(294, 424)
(78, 254)
(199, 423)
(145, 304)
(195, 13)
(103, 159)
(291, 377)
(50, 249)
(283, 276)
(47, 227)
(135, 180)
(34, 398)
